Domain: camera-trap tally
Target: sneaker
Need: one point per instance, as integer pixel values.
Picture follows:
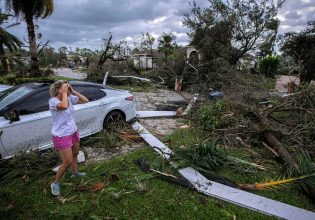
(55, 188)
(81, 174)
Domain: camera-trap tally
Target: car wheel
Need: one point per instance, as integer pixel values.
(115, 120)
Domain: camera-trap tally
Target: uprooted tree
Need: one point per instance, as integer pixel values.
(300, 47)
(224, 33)
(112, 58)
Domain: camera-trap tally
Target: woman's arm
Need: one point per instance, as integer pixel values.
(82, 98)
(63, 105)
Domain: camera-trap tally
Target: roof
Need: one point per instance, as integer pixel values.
(48, 83)
(147, 52)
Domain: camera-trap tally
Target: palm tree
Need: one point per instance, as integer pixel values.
(29, 10)
(166, 43)
(7, 40)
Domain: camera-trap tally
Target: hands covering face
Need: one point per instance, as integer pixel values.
(64, 88)
(70, 89)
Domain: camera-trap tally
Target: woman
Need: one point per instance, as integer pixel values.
(64, 132)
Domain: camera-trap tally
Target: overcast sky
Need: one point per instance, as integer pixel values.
(83, 23)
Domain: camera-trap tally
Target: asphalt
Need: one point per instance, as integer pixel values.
(66, 72)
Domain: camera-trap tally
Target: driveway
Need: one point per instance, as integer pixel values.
(283, 80)
(159, 127)
(66, 72)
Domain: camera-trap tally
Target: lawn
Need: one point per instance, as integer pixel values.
(136, 195)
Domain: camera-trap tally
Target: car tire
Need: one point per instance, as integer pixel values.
(114, 120)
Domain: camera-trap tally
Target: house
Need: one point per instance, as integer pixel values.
(191, 54)
(246, 62)
(144, 60)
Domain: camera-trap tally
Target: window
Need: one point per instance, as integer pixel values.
(35, 103)
(92, 93)
(11, 95)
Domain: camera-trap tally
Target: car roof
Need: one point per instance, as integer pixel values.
(36, 85)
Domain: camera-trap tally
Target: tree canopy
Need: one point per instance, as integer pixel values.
(29, 10)
(7, 41)
(301, 48)
(166, 43)
(230, 29)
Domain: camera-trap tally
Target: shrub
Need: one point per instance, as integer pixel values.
(9, 79)
(269, 65)
(48, 72)
(210, 115)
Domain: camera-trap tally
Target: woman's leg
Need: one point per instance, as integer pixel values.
(66, 157)
(75, 152)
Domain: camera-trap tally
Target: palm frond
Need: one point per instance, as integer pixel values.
(206, 156)
(34, 8)
(276, 183)
(9, 40)
(306, 168)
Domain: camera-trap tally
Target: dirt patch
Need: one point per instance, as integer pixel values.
(160, 127)
(100, 154)
(282, 83)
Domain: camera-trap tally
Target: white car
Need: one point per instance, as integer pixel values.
(26, 122)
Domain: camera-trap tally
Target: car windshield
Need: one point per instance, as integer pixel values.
(11, 95)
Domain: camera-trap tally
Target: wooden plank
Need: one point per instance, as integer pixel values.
(155, 114)
(155, 143)
(245, 199)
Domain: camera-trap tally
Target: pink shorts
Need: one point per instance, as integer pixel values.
(62, 143)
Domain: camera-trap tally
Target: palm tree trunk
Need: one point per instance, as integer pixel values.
(33, 49)
(4, 60)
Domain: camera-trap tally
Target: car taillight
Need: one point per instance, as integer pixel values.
(129, 98)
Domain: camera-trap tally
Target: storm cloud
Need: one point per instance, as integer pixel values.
(83, 23)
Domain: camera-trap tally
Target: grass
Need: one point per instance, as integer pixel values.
(61, 78)
(132, 197)
(136, 195)
(270, 83)
(286, 194)
(4, 80)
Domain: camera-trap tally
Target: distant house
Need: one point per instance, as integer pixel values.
(247, 62)
(191, 54)
(144, 60)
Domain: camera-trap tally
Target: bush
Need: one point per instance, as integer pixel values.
(9, 79)
(210, 115)
(269, 65)
(48, 72)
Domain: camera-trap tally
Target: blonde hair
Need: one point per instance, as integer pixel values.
(54, 88)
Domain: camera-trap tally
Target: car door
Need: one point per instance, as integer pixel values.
(89, 116)
(33, 129)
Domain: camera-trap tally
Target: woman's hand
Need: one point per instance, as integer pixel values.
(71, 90)
(64, 88)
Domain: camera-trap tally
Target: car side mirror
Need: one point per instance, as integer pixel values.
(12, 115)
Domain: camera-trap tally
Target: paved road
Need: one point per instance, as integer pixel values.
(66, 72)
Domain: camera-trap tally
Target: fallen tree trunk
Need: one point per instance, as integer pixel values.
(280, 149)
(114, 80)
(287, 158)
